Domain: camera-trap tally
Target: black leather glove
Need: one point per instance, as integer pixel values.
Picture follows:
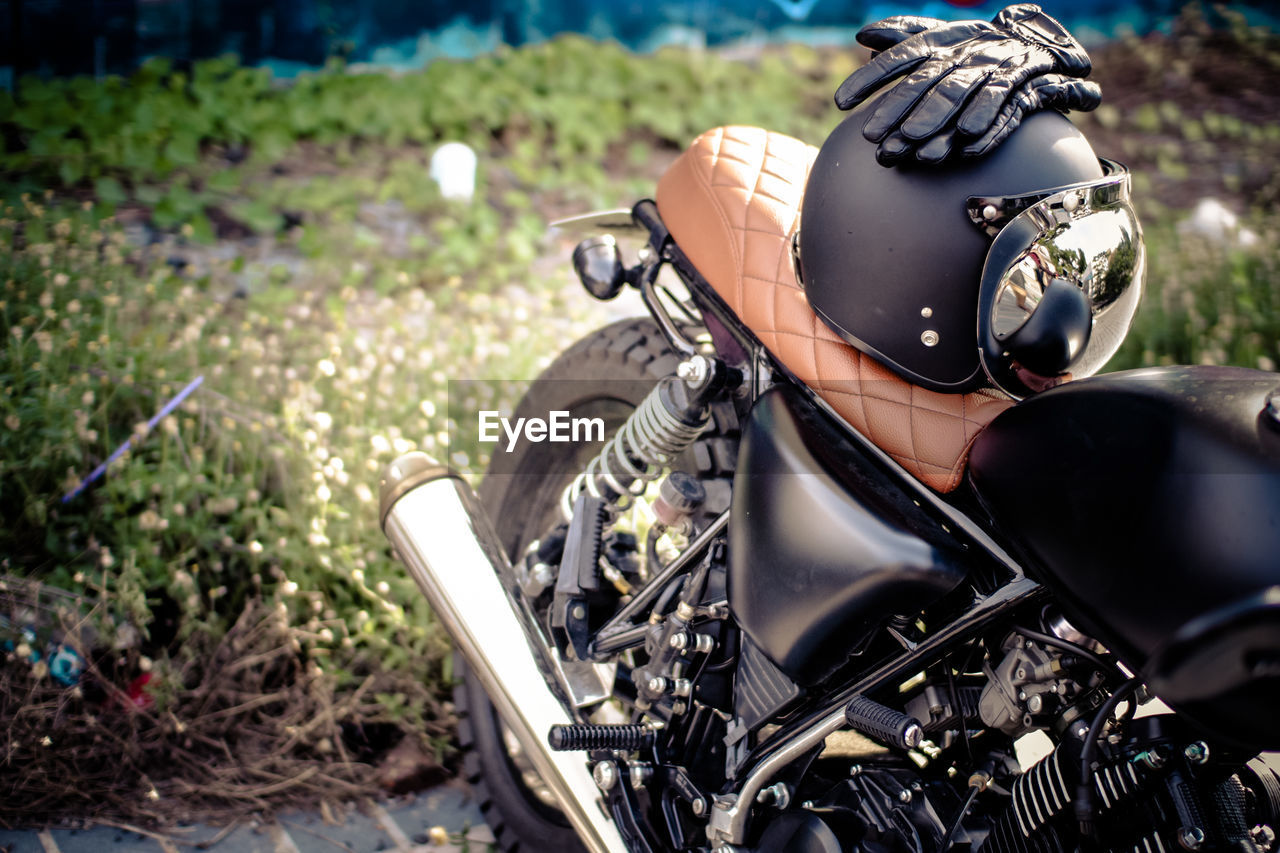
(1046, 92)
(966, 69)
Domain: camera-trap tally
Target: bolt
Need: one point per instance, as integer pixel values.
(1080, 730)
(1152, 759)
(579, 611)
(679, 640)
(913, 736)
(694, 370)
(606, 775)
(657, 684)
(1197, 753)
(682, 687)
(990, 212)
(1070, 202)
(855, 770)
(952, 772)
(641, 773)
(778, 794)
(1191, 837)
(1035, 704)
(929, 338)
(917, 787)
(699, 807)
(904, 796)
(926, 312)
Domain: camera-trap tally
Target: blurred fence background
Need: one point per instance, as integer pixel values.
(49, 37)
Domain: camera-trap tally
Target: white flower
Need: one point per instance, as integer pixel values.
(149, 520)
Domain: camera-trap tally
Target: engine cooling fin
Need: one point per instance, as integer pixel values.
(1045, 792)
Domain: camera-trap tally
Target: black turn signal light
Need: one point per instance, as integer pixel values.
(598, 263)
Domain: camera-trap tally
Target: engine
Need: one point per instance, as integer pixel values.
(1155, 785)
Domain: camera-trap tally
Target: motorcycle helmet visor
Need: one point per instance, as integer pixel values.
(1061, 281)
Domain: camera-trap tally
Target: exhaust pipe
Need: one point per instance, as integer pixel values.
(444, 537)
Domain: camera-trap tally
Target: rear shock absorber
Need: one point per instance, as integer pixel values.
(669, 419)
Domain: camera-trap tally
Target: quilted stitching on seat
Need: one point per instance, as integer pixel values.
(732, 202)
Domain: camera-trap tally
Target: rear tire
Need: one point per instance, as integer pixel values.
(606, 374)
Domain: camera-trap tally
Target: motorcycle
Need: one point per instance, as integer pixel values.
(860, 600)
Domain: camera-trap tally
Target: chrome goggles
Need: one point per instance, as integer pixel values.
(1061, 282)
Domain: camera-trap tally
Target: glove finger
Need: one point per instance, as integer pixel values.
(902, 99)
(1058, 92)
(939, 106)
(902, 58)
(894, 149)
(1072, 95)
(888, 32)
(938, 148)
(1012, 73)
(859, 85)
(1005, 123)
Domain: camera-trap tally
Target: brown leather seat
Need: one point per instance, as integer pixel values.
(732, 201)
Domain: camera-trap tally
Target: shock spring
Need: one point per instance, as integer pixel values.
(665, 423)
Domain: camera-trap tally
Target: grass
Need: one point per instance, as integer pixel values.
(287, 245)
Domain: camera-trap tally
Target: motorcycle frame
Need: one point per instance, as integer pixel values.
(737, 345)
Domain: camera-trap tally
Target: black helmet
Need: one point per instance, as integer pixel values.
(1012, 269)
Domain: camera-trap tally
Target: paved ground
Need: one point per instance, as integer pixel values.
(401, 826)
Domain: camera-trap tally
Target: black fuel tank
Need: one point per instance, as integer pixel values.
(823, 550)
(1149, 501)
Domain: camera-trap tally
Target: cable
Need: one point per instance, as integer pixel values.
(1068, 646)
(955, 701)
(1084, 792)
(955, 825)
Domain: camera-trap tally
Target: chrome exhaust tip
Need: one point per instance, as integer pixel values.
(445, 539)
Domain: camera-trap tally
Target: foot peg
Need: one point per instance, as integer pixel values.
(628, 738)
(883, 724)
